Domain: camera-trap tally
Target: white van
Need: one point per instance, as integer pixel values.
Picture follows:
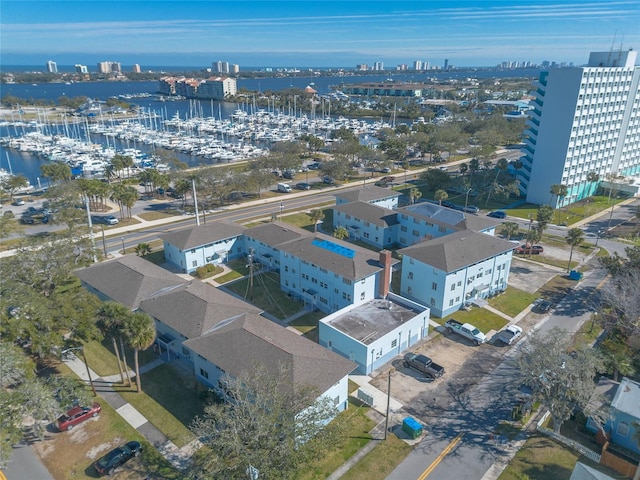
(284, 188)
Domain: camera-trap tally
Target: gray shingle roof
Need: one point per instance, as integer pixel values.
(367, 194)
(275, 233)
(129, 280)
(448, 216)
(198, 236)
(369, 212)
(239, 345)
(364, 263)
(457, 250)
(194, 308)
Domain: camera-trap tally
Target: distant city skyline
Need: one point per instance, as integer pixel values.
(306, 34)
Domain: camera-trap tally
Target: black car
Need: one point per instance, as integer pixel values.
(497, 214)
(303, 186)
(116, 457)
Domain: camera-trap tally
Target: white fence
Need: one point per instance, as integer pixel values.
(567, 441)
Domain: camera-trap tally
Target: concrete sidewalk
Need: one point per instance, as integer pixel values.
(178, 457)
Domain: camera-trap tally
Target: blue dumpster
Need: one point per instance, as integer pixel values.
(575, 275)
(411, 427)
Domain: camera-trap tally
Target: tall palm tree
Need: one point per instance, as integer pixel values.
(414, 195)
(111, 318)
(140, 332)
(440, 195)
(340, 233)
(559, 191)
(142, 249)
(316, 216)
(509, 229)
(574, 238)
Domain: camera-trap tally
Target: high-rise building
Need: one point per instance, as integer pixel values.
(81, 68)
(220, 66)
(136, 68)
(52, 67)
(109, 67)
(585, 121)
(446, 63)
(378, 66)
(417, 65)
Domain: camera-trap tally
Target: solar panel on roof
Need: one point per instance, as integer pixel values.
(334, 247)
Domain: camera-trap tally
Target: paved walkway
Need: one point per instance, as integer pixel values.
(178, 457)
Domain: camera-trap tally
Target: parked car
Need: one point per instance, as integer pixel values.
(116, 457)
(328, 180)
(106, 219)
(497, 214)
(470, 209)
(288, 174)
(303, 186)
(542, 305)
(77, 415)
(27, 220)
(18, 202)
(510, 334)
(534, 249)
(449, 205)
(466, 330)
(423, 364)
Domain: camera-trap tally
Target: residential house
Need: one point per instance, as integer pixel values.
(373, 333)
(382, 197)
(128, 280)
(237, 345)
(454, 270)
(371, 223)
(621, 426)
(194, 247)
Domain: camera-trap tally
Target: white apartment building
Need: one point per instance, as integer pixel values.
(52, 67)
(585, 119)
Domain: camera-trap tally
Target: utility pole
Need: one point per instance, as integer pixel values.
(195, 200)
(250, 256)
(386, 421)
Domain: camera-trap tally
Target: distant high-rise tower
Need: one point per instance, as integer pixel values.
(52, 67)
(220, 66)
(81, 68)
(378, 66)
(417, 65)
(585, 119)
(446, 63)
(136, 68)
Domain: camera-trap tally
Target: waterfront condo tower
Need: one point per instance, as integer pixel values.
(585, 121)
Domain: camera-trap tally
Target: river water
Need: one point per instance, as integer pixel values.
(29, 165)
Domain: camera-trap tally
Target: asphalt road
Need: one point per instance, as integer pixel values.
(25, 465)
(475, 410)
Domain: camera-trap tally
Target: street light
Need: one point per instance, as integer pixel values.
(466, 199)
(281, 207)
(84, 358)
(104, 243)
(598, 232)
(123, 249)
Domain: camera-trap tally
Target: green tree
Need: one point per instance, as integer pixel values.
(559, 191)
(340, 233)
(574, 238)
(440, 196)
(268, 424)
(143, 249)
(13, 184)
(140, 332)
(56, 171)
(316, 216)
(544, 216)
(414, 195)
(111, 319)
(558, 380)
(436, 179)
(509, 229)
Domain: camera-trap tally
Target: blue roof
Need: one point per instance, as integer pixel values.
(334, 247)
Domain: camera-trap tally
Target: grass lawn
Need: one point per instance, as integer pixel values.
(169, 400)
(481, 318)
(381, 461)
(102, 359)
(308, 321)
(541, 459)
(357, 426)
(512, 301)
(238, 270)
(157, 215)
(267, 295)
(70, 455)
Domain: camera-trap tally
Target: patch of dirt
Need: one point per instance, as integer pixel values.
(98, 450)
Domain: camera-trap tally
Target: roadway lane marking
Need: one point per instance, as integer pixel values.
(440, 457)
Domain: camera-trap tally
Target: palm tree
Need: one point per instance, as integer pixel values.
(340, 233)
(111, 318)
(140, 333)
(592, 177)
(533, 236)
(440, 195)
(316, 216)
(574, 238)
(143, 249)
(414, 195)
(559, 191)
(509, 229)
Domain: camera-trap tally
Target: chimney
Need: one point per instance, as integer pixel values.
(385, 277)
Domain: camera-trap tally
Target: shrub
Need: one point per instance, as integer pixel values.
(207, 271)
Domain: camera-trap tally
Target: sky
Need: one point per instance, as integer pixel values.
(313, 33)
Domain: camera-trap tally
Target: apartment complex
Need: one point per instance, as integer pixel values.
(585, 121)
(214, 88)
(52, 67)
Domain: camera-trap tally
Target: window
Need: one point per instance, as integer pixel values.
(409, 290)
(365, 234)
(622, 429)
(434, 286)
(394, 343)
(410, 276)
(362, 295)
(415, 233)
(194, 263)
(323, 300)
(286, 268)
(403, 228)
(204, 373)
(453, 287)
(451, 302)
(433, 302)
(459, 283)
(336, 401)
